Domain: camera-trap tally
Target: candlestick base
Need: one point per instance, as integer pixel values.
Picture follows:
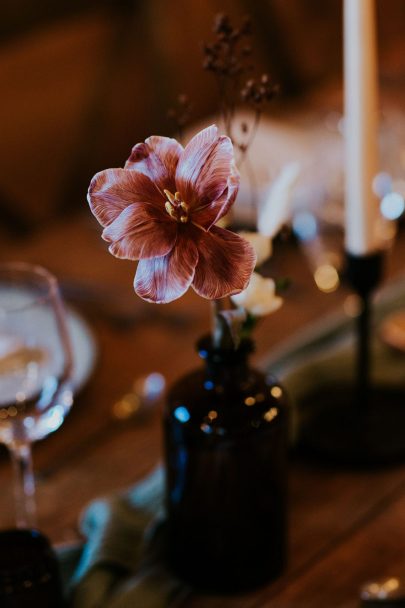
(336, 430)
(364, 272)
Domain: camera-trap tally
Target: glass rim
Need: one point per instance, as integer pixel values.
(50, 283)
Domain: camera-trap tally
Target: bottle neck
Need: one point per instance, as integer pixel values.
(225, 366)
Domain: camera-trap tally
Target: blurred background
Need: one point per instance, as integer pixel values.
(82, 81)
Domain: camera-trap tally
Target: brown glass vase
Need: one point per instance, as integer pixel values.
(225, 430)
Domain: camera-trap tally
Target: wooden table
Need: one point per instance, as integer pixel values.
(345, 527)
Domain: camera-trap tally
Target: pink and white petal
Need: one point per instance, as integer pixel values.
(139, 232)
(167, 149)
(209, 214)
(164, 279)
(204, 167)
(113, 190)
(225, 264)
(157, 158)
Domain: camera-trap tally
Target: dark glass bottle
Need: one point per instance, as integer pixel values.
(225, 429)
(29, 572)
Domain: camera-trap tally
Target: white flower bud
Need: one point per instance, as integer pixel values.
(259, 298)
(275, 210)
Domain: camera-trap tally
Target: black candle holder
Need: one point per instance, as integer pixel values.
(356, 423)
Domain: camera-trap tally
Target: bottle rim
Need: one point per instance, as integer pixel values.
(208, 351)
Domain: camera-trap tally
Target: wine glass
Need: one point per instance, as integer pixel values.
(35, 371)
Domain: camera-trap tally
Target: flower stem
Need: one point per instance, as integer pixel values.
(221, 332)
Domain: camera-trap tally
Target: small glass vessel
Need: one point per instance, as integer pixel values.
(225, 428)
(29, 571)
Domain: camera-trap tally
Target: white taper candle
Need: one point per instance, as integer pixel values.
(361, 126)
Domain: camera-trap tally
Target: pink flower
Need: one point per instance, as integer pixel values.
(161, 209)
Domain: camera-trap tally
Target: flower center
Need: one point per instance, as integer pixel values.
(176, 208)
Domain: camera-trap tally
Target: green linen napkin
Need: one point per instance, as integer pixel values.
(121, 564)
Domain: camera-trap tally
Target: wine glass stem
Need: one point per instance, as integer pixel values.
(24, 485)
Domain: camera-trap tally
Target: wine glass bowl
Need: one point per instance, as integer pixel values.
(35, 368)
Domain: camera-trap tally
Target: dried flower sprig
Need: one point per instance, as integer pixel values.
(180, 114)
(226, 55)
(228, 58)
(256, 94)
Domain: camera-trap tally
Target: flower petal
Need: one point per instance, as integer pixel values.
(157, 158)
(225, 264)
(166, 278)
(208, 215)
(204, 167)
(141, 231)
(113, 190)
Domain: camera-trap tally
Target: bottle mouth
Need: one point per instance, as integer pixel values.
(208, 351)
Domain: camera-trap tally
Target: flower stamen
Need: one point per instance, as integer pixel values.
(170, 196)
(176, 208)
(170, 210)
